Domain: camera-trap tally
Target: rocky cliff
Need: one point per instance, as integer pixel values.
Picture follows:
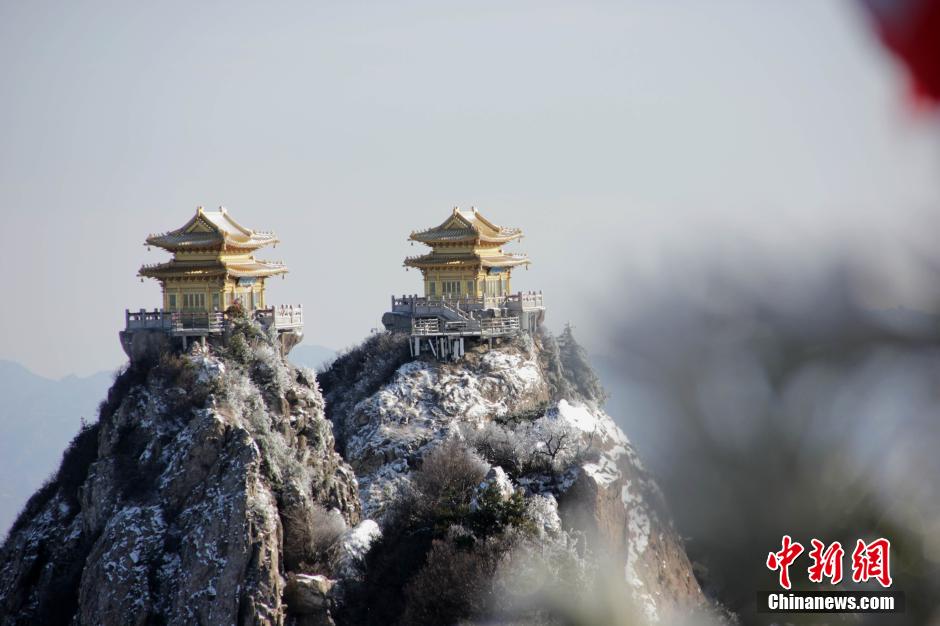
(211, 491)
(531, 411)
(177, 506)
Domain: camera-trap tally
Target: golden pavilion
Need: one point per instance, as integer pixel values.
(213, 264)
(466, 258)
(467, 289)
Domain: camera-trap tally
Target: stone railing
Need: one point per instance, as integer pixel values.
(430, 326)
(197, 321)
(147, 320)
(281, 316)
(525, 300)
(209, 322)
(423, 304)
(499, 326)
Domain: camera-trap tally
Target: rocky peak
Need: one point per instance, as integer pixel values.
(192, 499)
(531, 412)
(211, 490)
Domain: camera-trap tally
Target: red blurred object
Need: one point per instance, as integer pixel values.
(911, 29)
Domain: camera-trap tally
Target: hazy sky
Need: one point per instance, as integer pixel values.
(619, 135)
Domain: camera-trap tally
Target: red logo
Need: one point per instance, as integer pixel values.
(869, 561)
(783, 559)
(872, 561)
(826, 563)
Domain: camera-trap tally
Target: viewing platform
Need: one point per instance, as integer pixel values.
(416, 305)
(200, 323)
(186, 325)
(443, 323)
(467, 288)
(212, 279)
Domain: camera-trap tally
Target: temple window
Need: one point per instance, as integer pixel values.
(194, 300)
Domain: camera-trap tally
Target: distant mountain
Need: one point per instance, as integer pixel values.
(311, 355)
(38, 417)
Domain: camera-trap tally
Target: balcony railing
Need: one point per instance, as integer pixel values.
(423, 304)
(209, 322)
(498, 326)
(189, 321)
(282, 316)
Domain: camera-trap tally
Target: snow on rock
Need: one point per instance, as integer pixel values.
(638, 529)
(543, 509)
(208, 368)
(611, 497)
(355, 545)
(172, 509)
(425, 403)
(308, 595)
(497, 479)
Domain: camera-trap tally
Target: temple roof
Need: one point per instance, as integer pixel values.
(212, 230)
(468, 259)
(466, 226)
(215, 267)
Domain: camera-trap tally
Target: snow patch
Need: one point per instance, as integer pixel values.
(638, 532)
(354, 546)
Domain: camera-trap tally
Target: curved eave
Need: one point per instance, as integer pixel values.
(515, 262)
(428, 264)
(433, 261)
(172, 243)
(176, 270)
(237, 273)
(431, 238)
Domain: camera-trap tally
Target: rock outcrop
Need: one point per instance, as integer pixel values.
(211, 491)
(179, 506)
(526, 415)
